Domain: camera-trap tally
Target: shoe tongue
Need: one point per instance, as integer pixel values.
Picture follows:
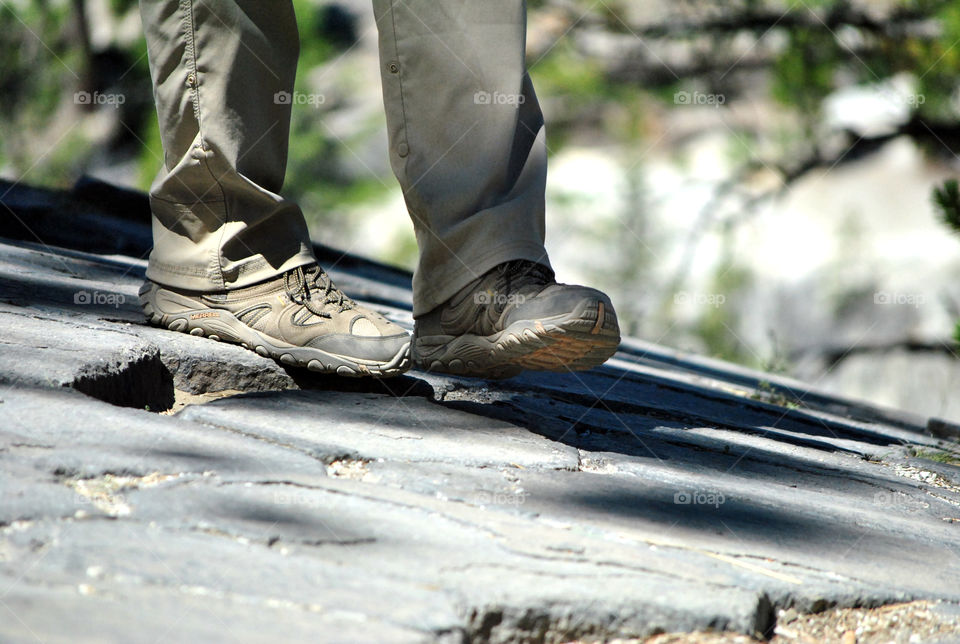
(524, 276)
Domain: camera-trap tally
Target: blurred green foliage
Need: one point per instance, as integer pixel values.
(37, 63)
(819, 57)
(43, 62)
(47, 135)
(946, 201)
(804, 72)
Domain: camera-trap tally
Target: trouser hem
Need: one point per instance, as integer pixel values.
(200, 278)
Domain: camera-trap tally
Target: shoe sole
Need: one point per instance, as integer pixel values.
(571, 342)
(221, 325)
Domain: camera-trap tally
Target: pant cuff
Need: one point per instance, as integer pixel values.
(202, 279)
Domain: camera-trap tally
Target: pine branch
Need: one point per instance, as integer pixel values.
(946, 200)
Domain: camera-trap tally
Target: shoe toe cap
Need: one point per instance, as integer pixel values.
(564, 299)
(365, 348)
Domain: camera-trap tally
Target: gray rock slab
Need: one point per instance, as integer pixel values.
(99, 560)
(61, 435)
(371, 426)
(83, 345)
(715, 373)
(90, 613)
(802, 548)
(29, 494)
(480, 561)
(94, 356)
(657, 394)
(104, 362)
(201, 365)
(70, 282)
(660, 492)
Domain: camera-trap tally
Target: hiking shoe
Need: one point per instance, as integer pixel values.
(517, 317)
(300, 319)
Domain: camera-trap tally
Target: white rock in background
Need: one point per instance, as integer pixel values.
(875, 109)
(851, 258)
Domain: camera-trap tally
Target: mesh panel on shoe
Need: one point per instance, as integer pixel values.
(364, 327)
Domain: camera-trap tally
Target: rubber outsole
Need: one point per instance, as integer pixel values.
(582, 340)
(226, 328)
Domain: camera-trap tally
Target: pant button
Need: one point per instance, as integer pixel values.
(403, 149)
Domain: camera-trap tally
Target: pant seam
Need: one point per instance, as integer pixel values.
(188, 20)
(198, 112)
(403, 107)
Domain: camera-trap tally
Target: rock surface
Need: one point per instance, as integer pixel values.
(662, 492)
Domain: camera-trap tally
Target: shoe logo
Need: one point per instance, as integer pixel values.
(205, 314)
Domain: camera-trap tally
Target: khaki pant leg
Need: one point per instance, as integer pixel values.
(466, 137)
(222, 73)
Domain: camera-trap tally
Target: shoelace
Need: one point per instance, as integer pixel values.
(315, 281)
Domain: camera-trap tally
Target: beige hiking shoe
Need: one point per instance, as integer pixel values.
(517, 317)
(300, 319)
